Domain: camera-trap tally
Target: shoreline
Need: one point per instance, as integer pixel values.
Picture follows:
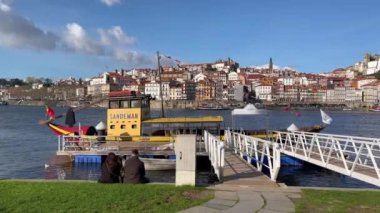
(185, 104)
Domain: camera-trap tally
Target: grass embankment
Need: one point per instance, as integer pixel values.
(18, 196)
(338, 201)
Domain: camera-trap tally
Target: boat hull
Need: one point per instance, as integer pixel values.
(158, 164)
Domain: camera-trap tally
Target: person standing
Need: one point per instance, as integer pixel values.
(111, 169)
(134, 169)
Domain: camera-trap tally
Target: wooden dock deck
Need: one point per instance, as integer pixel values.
(237, 172)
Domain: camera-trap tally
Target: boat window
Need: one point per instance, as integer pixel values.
(122, 126)
(112, 127)
(134, 126)
(114, 104)
(135, 103)
(144, 104)
(124, 104)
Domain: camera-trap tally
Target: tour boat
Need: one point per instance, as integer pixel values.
(129, 126)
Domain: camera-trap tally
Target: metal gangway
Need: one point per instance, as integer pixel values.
(357, 157)
(263, 154)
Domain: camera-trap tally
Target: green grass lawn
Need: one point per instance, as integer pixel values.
(18, 196)
(338, 201)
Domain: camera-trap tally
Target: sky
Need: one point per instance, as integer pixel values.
(82, 38)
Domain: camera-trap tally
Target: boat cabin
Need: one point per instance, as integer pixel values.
(125, 113)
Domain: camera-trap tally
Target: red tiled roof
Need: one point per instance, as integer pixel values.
(122, 93)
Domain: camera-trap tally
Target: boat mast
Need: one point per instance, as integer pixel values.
(159, 78)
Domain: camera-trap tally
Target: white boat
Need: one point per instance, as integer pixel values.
(249, 109)
(347, 109)
(158, 164)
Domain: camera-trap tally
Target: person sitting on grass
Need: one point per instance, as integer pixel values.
(111, 169)
(134, 169)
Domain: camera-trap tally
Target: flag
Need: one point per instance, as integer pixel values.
(49, 112)
(168, 56)
(177, 61)
(326, 119)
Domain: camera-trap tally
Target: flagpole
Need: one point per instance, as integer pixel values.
(159, 78)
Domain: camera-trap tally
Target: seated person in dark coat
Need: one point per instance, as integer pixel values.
(111, 169)
(134, 169)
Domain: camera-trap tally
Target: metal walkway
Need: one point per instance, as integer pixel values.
(230, 168)
(358, 157)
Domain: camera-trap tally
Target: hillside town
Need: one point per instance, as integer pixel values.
(222, 81)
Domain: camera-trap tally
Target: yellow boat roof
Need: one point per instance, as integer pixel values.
(206, 119)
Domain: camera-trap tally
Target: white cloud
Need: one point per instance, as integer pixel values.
(132, 57)
(19, 32)
(76, 39)
(110, 2)
(113, 43)
(4, 5)
(115, 35)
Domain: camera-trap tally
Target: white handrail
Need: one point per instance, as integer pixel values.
(215, 149)
(264, 153)
(358, 157)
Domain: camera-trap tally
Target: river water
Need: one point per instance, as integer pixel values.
(25, 146)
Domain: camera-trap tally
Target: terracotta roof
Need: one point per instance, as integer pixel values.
(122, 93)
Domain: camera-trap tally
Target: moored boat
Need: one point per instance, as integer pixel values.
(129, 126)
(158, 164)
(3, 103)
(374, 109)
(212, 108)
(347, 109)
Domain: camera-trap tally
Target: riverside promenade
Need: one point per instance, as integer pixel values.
(244, 189)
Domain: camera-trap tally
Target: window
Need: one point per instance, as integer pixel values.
(124, 104)
(122, 126)
(112, 127)
(134, 126)
(144, 103)
(135, 103)
(114, 104)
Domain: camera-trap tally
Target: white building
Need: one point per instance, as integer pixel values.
(218, 66)
(175, 93)
(264, 92)
(350, 74)
(372, 67)
(233, 76)
(199, 77)
(353, 95)
(103, 79)
(286, 81)
(37, 86)
(336, 95)
(153, 89)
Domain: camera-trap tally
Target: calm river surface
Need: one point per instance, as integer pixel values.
(25, 146)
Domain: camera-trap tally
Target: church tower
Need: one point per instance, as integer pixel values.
(270, 65)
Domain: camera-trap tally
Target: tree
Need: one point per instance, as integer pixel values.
(16, 81)
(3, 82)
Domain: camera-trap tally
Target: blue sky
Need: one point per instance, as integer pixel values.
(62, 38)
